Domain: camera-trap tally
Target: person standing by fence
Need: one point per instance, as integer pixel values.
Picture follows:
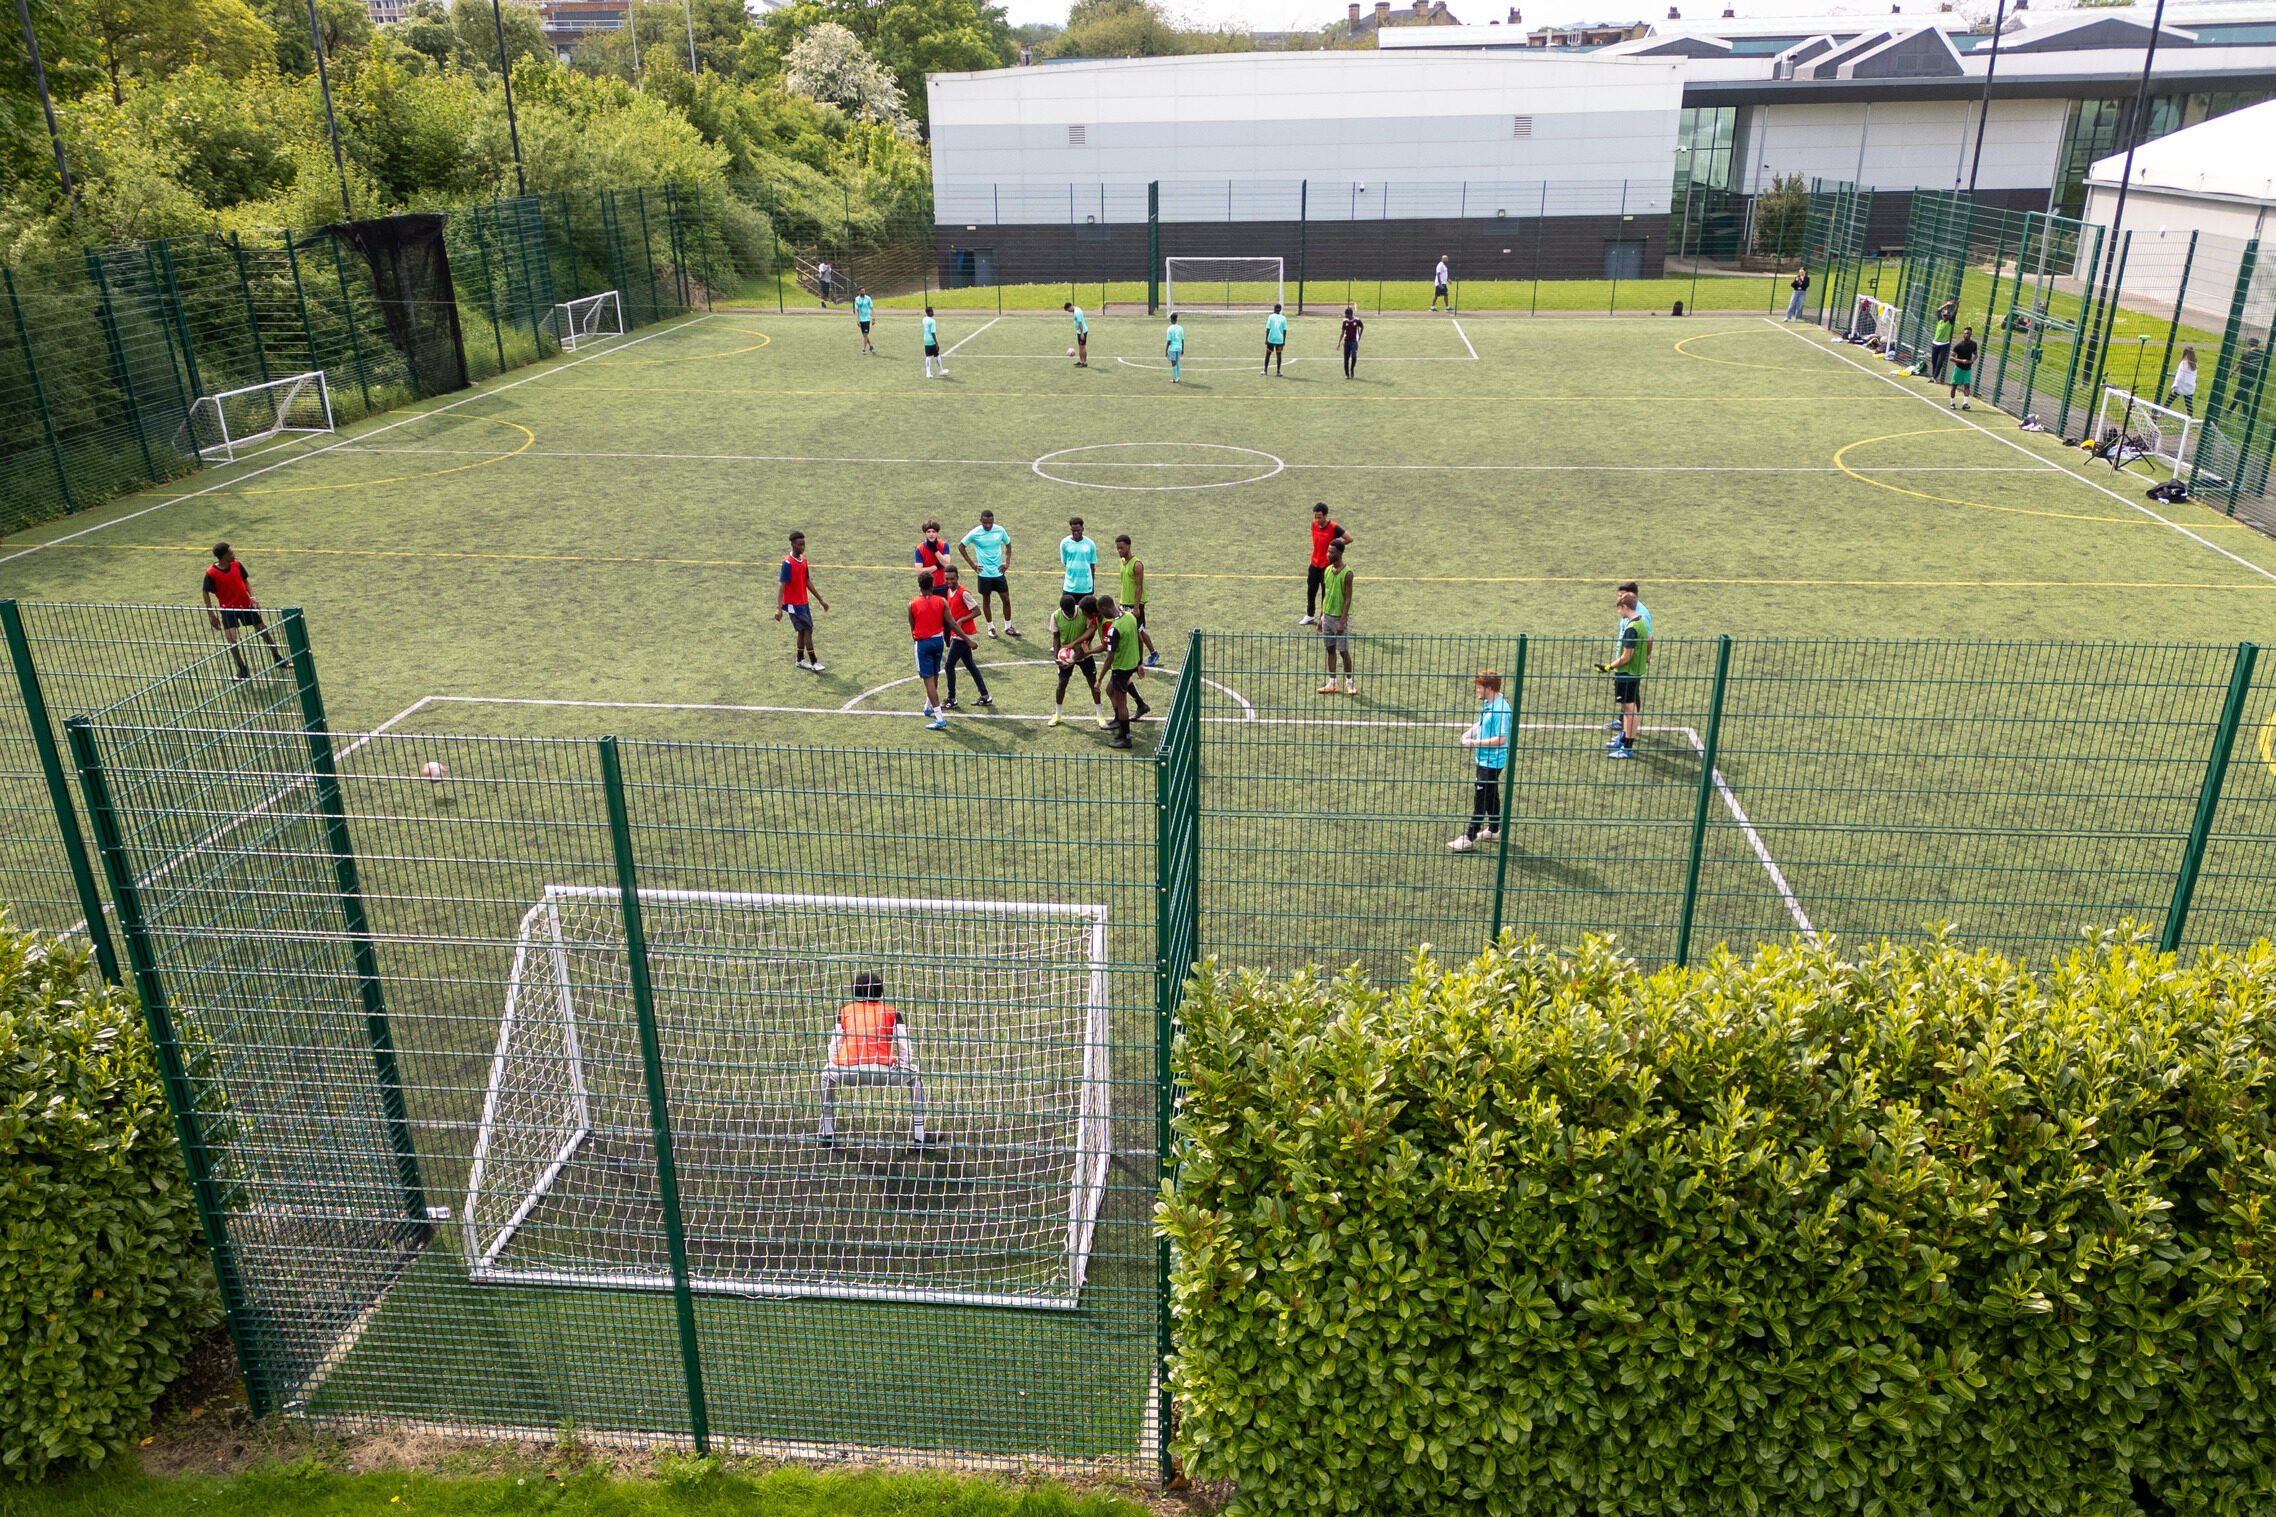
(2184, 393)
(1801, 288)
(1489, 741)
(1962, 395)
(1940, 347)
(822, 280)
(1438, 281)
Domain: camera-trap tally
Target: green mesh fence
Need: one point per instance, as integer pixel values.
(103, 358)
(545, 1086)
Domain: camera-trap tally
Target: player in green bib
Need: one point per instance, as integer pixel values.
(1126, 647)
(1627, 673)
(1134, 587)
(1070, 649)
(1335, 620)
(1275, 340)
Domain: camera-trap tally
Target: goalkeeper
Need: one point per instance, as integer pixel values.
(871, 1047)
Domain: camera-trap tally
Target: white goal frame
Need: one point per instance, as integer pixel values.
(541, 967)
(230, 421)
(589, 318)
(2163, 432)
(1199, 274)
(1888, 324)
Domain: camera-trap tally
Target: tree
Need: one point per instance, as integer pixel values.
(345, 25)
(67, 51)
(427, 31)
(910, 37)
(1136, 29)
(478, 31)
(830, 65)
(161, 37)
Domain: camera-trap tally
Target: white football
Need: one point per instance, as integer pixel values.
(432, 769)
(1070, 352)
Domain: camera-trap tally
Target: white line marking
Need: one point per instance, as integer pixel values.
(345, 442)
(1930, 402)
(1465, 336)
(967, 337)
(1761, 849)
(1215, 484)
(1165, 670)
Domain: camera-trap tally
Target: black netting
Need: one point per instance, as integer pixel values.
(418, 308)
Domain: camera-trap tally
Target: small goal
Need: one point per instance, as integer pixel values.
(1005, 1008)
(1203, 285)
(231, 421)
(1879, 327)
(2127, 428)
(573, 323)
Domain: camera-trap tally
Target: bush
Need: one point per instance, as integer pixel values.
(1916, 1230)
(103, 1284)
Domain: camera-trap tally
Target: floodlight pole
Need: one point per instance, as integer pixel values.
(694, 68)
(632, 25)
(39, 78)
(2134, 130)
(331, 122)
(1983, 113)
(506, 72)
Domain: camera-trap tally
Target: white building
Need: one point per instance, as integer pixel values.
(1249, 152)
(2218, 177)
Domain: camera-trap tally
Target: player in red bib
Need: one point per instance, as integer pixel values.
(797, 591)
(230, 606)
(1325, 534)
(870, 1046)
(932, 553)
(928, 629)
(963, 628)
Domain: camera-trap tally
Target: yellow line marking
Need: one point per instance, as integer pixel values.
(1277, 397)
(529, 440)
(1841, 462)
(763, 340)
(1152, 574)
(2268, 742)
(1798, 368)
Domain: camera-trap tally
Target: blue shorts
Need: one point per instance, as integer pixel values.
(928, 655)
(801, 617)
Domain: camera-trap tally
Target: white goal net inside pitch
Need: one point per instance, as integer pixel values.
(2129, 428)
(1005, 1005)
(1222, 284)
(573, 323)
(231, 421)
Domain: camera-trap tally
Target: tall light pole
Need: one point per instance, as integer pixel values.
(2134, 132)
(506, 72)
(39, 78)
(693, 67)
(1983, 114)
(324, 83)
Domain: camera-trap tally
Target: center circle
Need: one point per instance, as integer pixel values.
(1157, 466)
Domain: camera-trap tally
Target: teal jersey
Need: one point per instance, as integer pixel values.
(1493, 722)
(1176, 338)
(1078, 560)
(1082, 324)
(932, 333)
(988, 545)
(1276, 328)
(1644, 615)
(863, 305)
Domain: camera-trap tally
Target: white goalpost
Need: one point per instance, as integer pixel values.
(573, 323)
(2128, 427)
(1204, 285)
(790, 1184)
(230, 421)
(1880, 327)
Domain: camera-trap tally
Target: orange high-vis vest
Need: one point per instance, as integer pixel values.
(867, 1033)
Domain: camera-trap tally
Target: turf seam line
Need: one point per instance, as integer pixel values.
(1930, 402)
(343, 442)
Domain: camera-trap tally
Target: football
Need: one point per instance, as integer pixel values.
(1066, 657)
(1070, 352)
(432, 769)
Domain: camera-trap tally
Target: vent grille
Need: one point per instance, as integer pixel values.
(1078, 136)
(1521, 126)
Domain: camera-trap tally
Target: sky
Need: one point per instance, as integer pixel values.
(1297, 15)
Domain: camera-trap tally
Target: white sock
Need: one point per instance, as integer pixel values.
(1058, 708)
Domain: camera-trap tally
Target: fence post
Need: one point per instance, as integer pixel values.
(1709, 742)
(252, 313)
(110, 842)
(377, 1029)
(774, 230)
(59, 792)
(1509, 784)
(174, 370)
(181, 322)
(1991, 302)
(524, 208)
(490, 288)
(1540, 223)
(2173, 328)
(2106, 323)
(1153, 246)
(118, 361)
(1303, 237)
(2078, 336)
(300, 294)
(2209, 796)
(652, 1075)
(569, 239)
(1620, 249)
(39, 392)
(348, 315)
(648, 251)
(1177, 927)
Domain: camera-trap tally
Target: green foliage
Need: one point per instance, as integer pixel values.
(478, 26)
(911, 38)
(1906, 1230)
(1781, 216)
(104, 1283)
(1136, 29)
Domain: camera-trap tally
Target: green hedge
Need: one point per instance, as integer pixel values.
(103, 1279)
(1908, 1231)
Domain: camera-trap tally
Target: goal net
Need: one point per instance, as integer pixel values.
(1222, 284)
(2128, 427)
(574, 323)
(1879, 327)
(230, 422)
(1005, 1058)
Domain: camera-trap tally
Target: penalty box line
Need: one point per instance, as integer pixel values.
(1248, 717)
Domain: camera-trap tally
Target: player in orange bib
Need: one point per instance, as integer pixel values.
(871, 1047)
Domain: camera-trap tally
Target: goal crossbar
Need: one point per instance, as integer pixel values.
(747, 986)
(1205, 285)
(228, 422)
(1880, 326)
(589, 318)
(2128, 427)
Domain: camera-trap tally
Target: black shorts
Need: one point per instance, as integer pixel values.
(932, 350)
(1438, 289)
(1274, 347)
(1140, 612)
(865, 329)
(1121, 679)
(996, 584)
(1628, 690)
(241, 618)
(1088, 664)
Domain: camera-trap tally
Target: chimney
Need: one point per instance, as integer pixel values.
(1673, 14)
(1355, 15)
(1422, 9)
(1382, 13)
(1516, 16)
